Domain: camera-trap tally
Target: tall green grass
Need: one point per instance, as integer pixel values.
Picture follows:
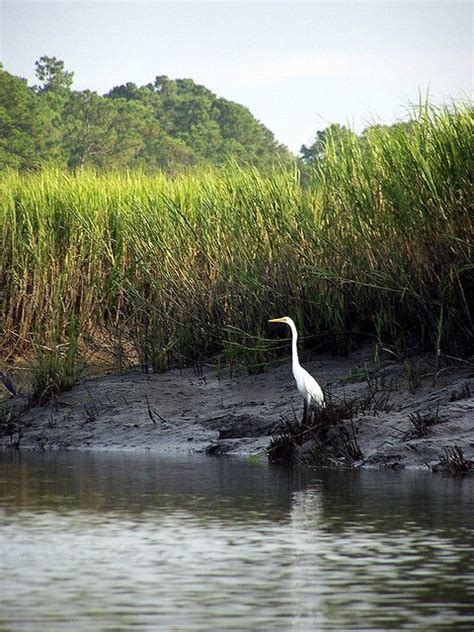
(165, 270)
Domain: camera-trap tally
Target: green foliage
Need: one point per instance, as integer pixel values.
(170, 124)
(333, 135)
(214, 129)
(169, 269)
(104, 134)
(54, 78)
(26, 125)
(55, 366)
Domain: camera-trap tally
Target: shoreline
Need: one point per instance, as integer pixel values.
(415, 421)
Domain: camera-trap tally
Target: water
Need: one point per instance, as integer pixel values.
(126, 541)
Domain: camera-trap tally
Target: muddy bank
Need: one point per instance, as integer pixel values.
(180, 411)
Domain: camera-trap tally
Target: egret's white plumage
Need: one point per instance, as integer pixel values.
(307, 386)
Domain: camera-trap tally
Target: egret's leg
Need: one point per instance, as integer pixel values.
(310, 407)
(305, 411)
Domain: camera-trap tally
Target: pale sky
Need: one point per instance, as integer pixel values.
(298, 66)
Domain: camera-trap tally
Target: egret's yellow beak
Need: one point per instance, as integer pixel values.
(276, 320)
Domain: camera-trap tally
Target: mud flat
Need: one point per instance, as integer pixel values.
(416, 413)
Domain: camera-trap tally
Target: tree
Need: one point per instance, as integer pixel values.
(25, 124)
(102, 132)
(129, 91)
(315, 153)
(331, 137)
(54, 78)
(212, 129)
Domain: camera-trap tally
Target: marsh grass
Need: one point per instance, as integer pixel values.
(55, 367)
(422, 423)
(454, 462)
(165, 271)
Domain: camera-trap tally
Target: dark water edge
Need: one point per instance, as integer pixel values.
(120, 540)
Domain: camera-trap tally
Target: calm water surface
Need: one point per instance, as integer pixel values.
(130, 541)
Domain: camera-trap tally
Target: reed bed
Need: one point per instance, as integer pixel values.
(168, 270)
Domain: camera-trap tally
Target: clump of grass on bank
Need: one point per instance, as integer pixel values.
(325, 437)
(454, 462)
(167, 270)
(55, 368)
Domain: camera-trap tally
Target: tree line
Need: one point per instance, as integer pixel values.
(168, 124)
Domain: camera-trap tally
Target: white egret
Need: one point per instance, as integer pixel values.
(307, 386)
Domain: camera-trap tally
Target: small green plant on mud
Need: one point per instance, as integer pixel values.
(55, 367)
(356, 374)
(412, 376)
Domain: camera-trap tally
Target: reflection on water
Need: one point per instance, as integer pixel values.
(119, 541)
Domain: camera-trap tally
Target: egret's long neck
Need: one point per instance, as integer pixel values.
(294, 349)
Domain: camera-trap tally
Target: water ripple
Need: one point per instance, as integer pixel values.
(239, 547)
